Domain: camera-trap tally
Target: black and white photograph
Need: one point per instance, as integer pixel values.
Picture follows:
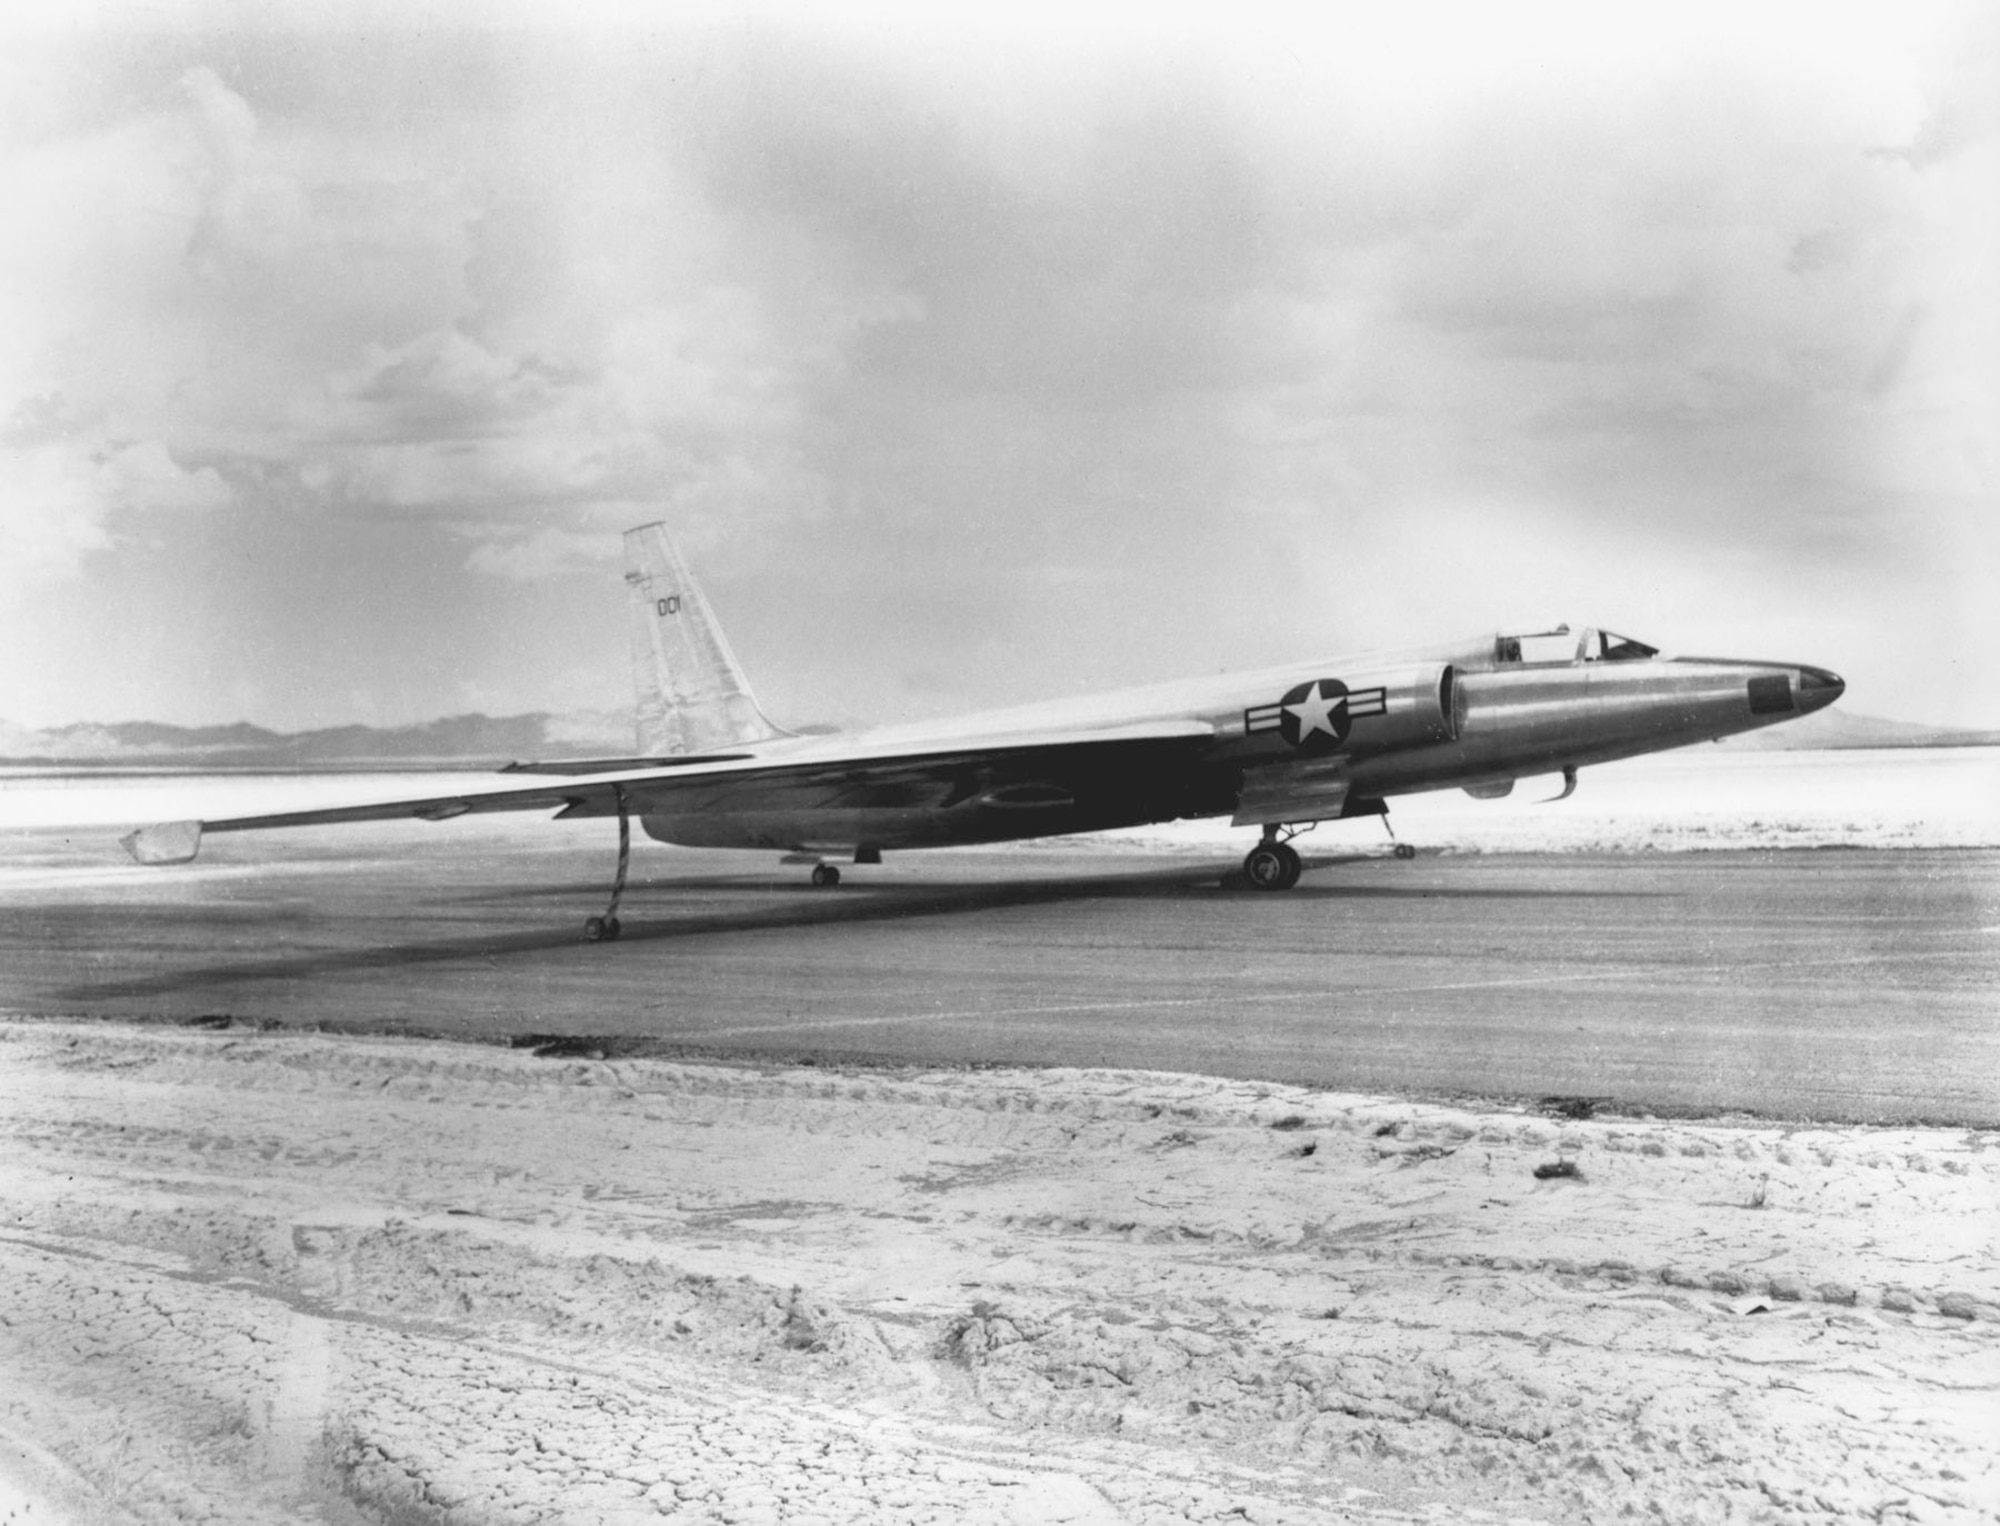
(808, 765)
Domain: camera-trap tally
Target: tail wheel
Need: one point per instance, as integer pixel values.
(601, 930)
(1272, 866)
(1404, 850)
(824, 875)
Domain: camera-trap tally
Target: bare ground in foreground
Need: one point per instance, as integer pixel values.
(261, 1276)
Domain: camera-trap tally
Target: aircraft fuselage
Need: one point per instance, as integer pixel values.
(1359, 732)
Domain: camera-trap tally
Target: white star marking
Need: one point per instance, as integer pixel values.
(1315, 713)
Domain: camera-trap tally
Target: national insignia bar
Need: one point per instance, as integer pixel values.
(1322, 708)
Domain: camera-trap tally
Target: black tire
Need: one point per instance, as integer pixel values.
(1294, 866)
(1404, 850)
(596, 930)
(825, 874)
(1272, 866)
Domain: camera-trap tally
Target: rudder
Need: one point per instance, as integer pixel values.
(692, 695)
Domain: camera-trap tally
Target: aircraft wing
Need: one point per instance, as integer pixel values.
(177, 842)
(789, 775)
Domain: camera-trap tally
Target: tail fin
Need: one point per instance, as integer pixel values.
(693, 697)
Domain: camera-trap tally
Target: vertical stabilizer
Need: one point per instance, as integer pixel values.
(693, 697)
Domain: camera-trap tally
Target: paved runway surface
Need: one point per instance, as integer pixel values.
(1839, 985)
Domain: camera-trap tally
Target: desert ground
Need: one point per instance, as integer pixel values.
(284, 1275)
(310, 1211)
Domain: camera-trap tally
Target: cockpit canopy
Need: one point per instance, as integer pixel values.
(1608, 646)
(1592, 645)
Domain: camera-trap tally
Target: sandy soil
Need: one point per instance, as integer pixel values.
(269, 1276)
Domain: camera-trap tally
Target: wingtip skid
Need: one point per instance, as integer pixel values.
(170, 842)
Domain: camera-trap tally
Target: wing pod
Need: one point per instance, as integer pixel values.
(170, 842)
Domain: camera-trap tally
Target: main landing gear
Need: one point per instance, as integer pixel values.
(605, 929)
(1274, 864)
(826, 874)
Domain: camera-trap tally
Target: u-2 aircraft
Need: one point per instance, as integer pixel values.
(1281, 749)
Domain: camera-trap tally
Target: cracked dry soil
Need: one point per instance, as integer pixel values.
(286, 1276)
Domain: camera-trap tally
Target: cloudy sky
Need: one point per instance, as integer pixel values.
(980, 362)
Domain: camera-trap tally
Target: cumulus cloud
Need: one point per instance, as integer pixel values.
(64, 482)
(540, 554)
(1308, 336)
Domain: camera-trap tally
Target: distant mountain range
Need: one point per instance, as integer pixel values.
(483, 741)
(462, 741)
(1837, 729)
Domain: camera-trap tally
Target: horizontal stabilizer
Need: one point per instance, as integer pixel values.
(171, 842)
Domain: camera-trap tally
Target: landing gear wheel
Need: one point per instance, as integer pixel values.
(1272, 866)
(1404, 850)
(601, 930)
(825, 874)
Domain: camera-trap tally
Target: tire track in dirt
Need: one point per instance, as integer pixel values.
(358, 1280)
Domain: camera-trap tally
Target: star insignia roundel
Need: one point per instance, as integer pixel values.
(1315, 714)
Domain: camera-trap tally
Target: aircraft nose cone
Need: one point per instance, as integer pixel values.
(1819, 688)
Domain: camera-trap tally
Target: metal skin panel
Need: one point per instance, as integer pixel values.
(1041, 792)
(1539, 719)
(1367, 712)
(1357, 713)
(1511, 722)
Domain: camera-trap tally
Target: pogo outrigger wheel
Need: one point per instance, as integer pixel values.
(1402, 849)
(605, 929)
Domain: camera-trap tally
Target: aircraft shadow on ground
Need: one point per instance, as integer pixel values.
(761, 905)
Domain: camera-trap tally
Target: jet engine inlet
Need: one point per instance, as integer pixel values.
(1419, 705)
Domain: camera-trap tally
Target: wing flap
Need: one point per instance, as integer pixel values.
(1308, 790)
